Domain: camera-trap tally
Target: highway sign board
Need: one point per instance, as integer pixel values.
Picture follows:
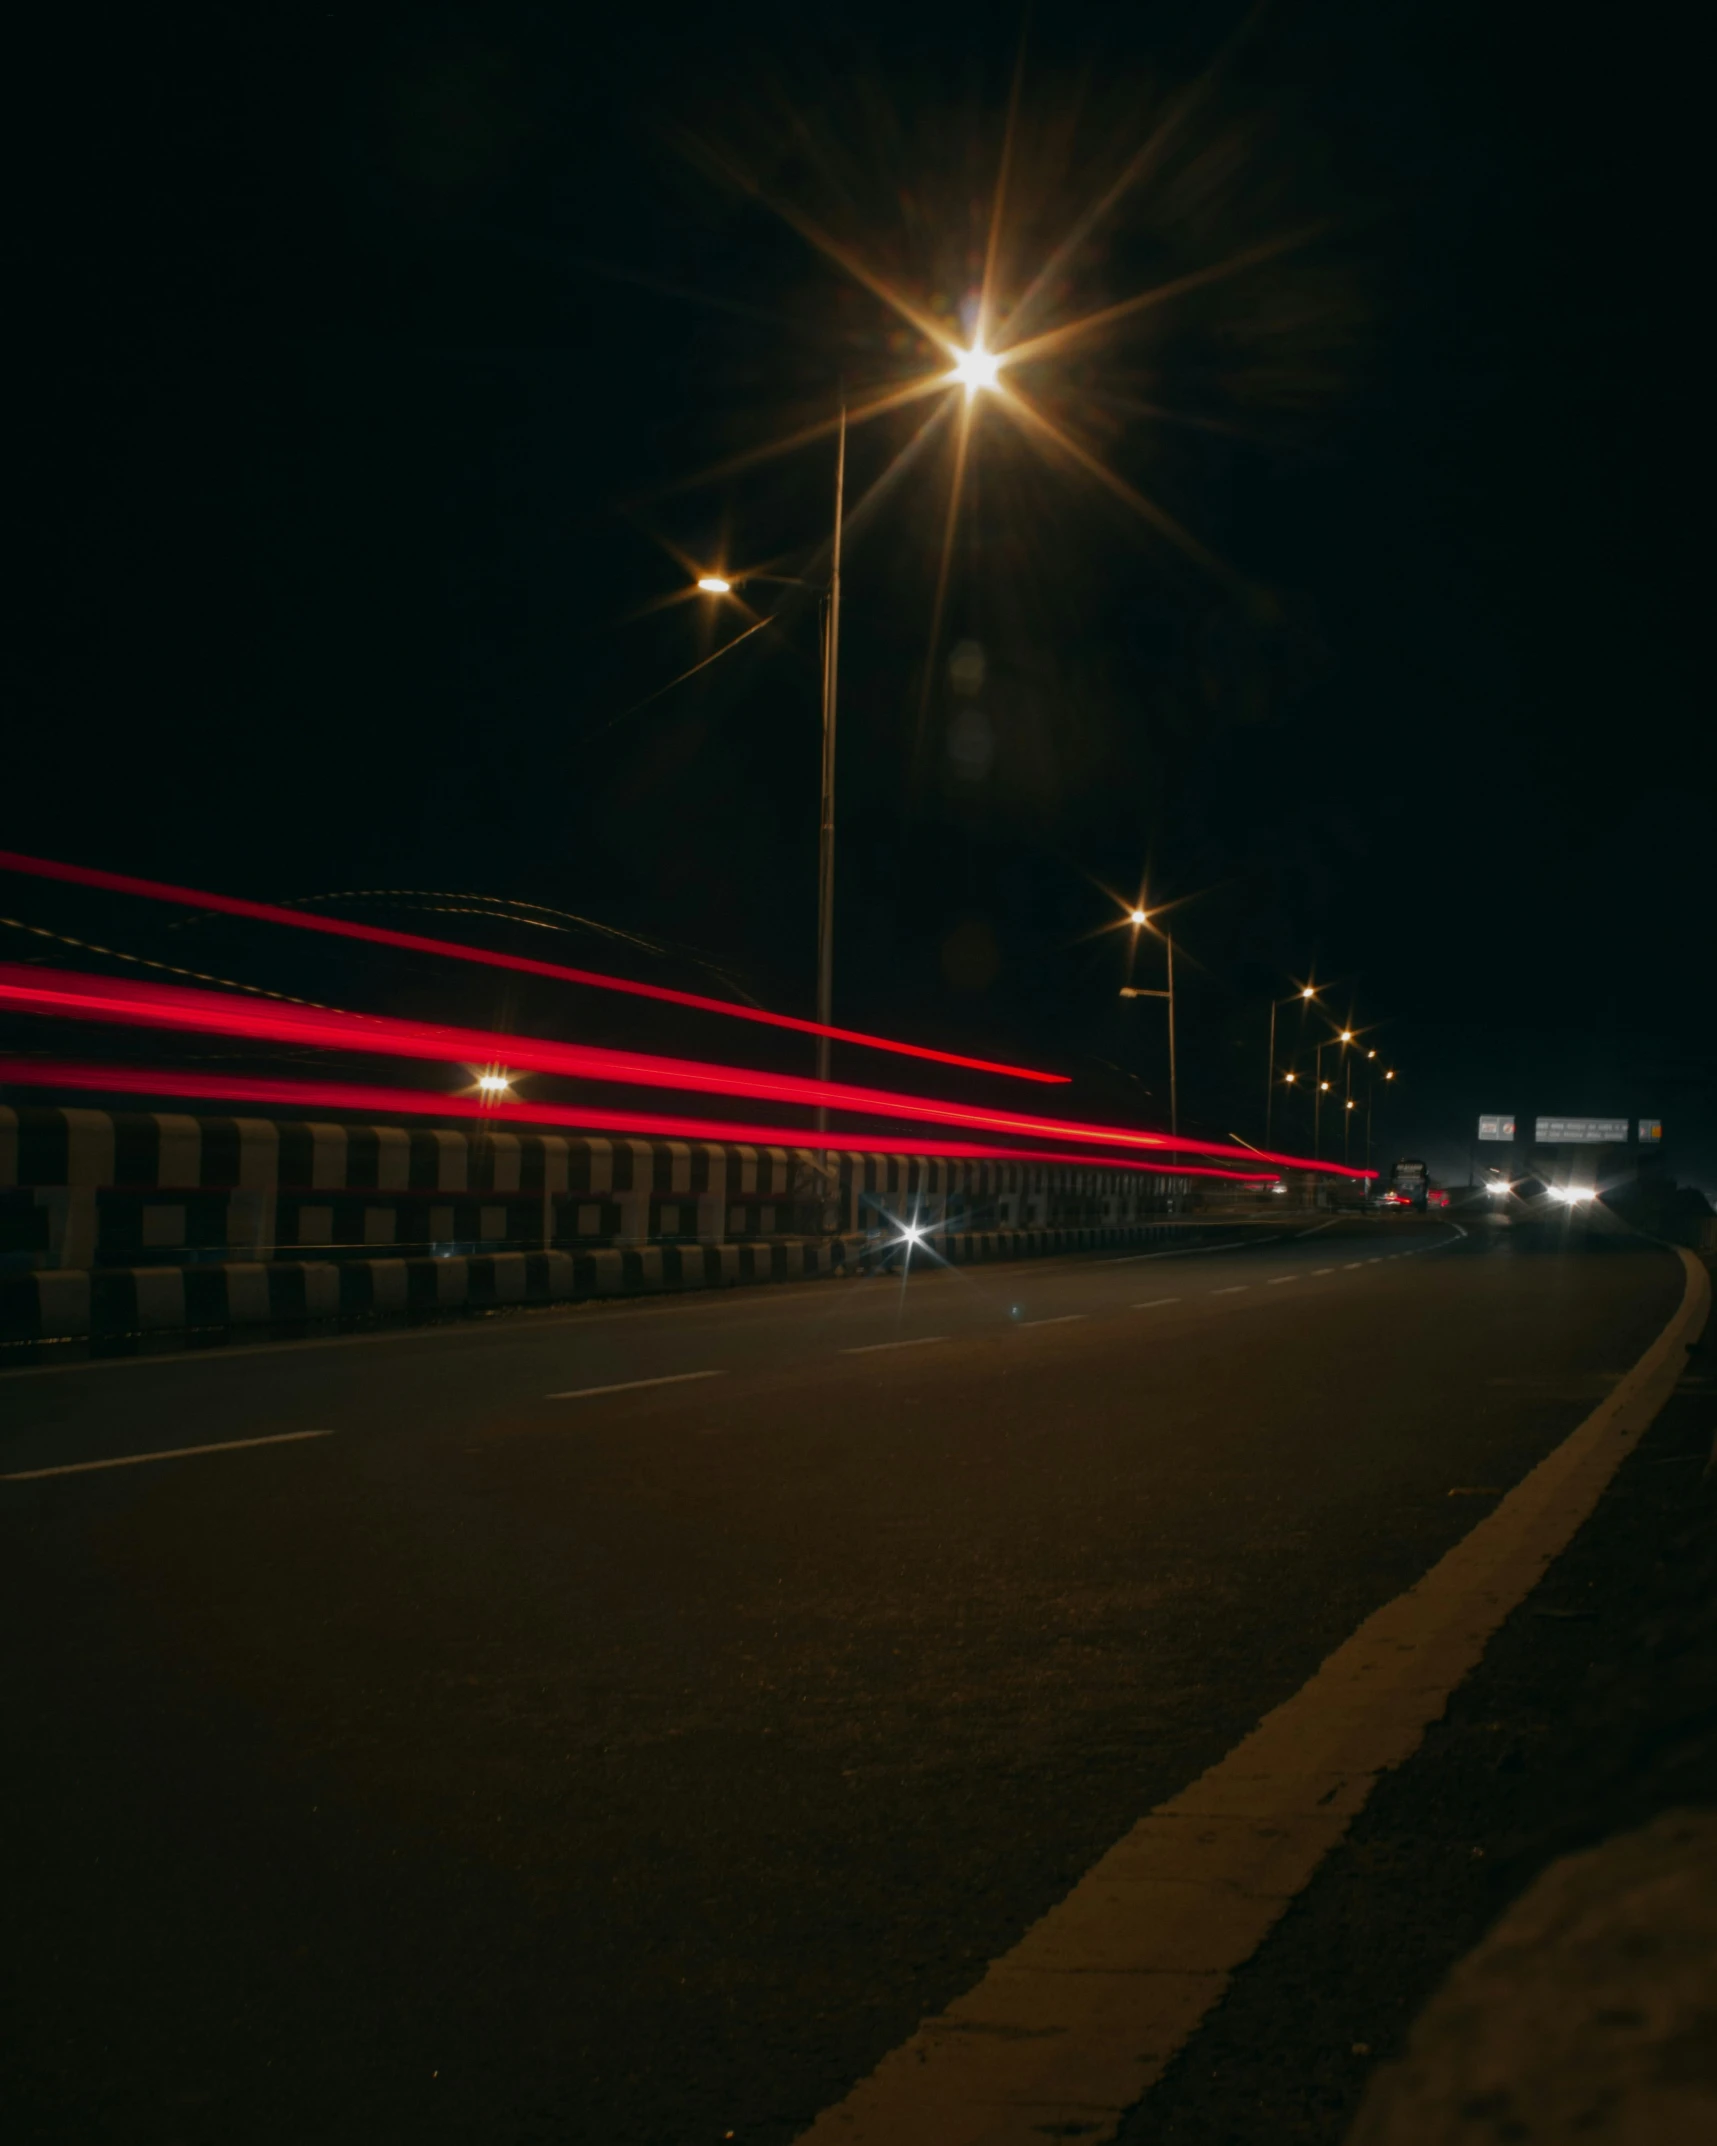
(1492, 1127)
(1554, 1132)
(1650, 1131)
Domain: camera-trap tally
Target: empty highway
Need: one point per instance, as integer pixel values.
(626, 1723)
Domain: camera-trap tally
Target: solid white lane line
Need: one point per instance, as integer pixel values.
(1233, 1289)
(1066, 2032)
(1276, 1280)
(918, 1341)
(136, 1460)
(670, 1378)
(1062, 1319)
(1155, 1303)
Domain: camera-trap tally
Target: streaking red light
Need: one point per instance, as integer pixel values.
(179, 1007)
(559, 1117)
(154, 890)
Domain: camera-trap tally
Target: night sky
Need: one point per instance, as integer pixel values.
(371, 353)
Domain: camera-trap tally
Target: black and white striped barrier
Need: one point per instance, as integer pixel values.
(85, 1303)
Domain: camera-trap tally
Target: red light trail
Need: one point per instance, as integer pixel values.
(78, 875)
(560, 1117)
(180, 1008)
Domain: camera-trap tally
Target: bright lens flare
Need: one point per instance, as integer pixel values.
(976, 368)
(494, 1083)
(713, 585)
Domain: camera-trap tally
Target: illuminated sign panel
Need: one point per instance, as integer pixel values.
(1492, 1127)
(1650, 1131)
(1556, 1131)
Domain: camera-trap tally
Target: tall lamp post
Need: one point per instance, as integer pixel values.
(1290, 1078)
(1322, 1088)
(1370, 1099)
(720, 585)
(1305, 992)
(826, 824)
(1370, 1091)
(1139, 918)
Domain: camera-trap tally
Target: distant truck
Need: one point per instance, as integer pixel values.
(1408, 1184)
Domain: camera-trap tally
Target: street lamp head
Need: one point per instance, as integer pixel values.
(1390, 1075)
(1290, 1078)
(1350, 1102)
(1323, 1087)
(976, 368)
(1347, 1035)
(1371, 1054)
(1309, 992)
(493, 1083)
(1136, 917)
(714, 585)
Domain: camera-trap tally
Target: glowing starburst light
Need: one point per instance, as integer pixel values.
(714, 585)
(977, 368)
(1003, 329)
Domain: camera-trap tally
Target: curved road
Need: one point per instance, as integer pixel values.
(624, 1724)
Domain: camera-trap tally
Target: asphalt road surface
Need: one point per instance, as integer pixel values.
(624, 1724)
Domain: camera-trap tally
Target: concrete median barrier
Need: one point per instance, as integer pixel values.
(114, 1224)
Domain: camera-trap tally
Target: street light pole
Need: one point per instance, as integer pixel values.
(1174, 1085)
(1138, 918)
(1318, 1100)
(1347, 1116)
(1306, 991)
(826, 825)
(1344, 1039)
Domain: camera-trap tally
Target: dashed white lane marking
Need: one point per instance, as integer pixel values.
(1233, 1289)
(1192, 1251)
(136, 1460)
(1323, 1270)
(917, 1341)
(1155, 1303)
(1348, 1265)
(1276, 1280)
(669, 1378)
(1376, 1260)
(1074, 2025)
(1062, 1319)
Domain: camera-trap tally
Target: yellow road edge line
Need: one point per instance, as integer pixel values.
(1072, 2027)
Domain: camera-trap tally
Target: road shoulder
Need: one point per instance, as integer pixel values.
(1589, 1715)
